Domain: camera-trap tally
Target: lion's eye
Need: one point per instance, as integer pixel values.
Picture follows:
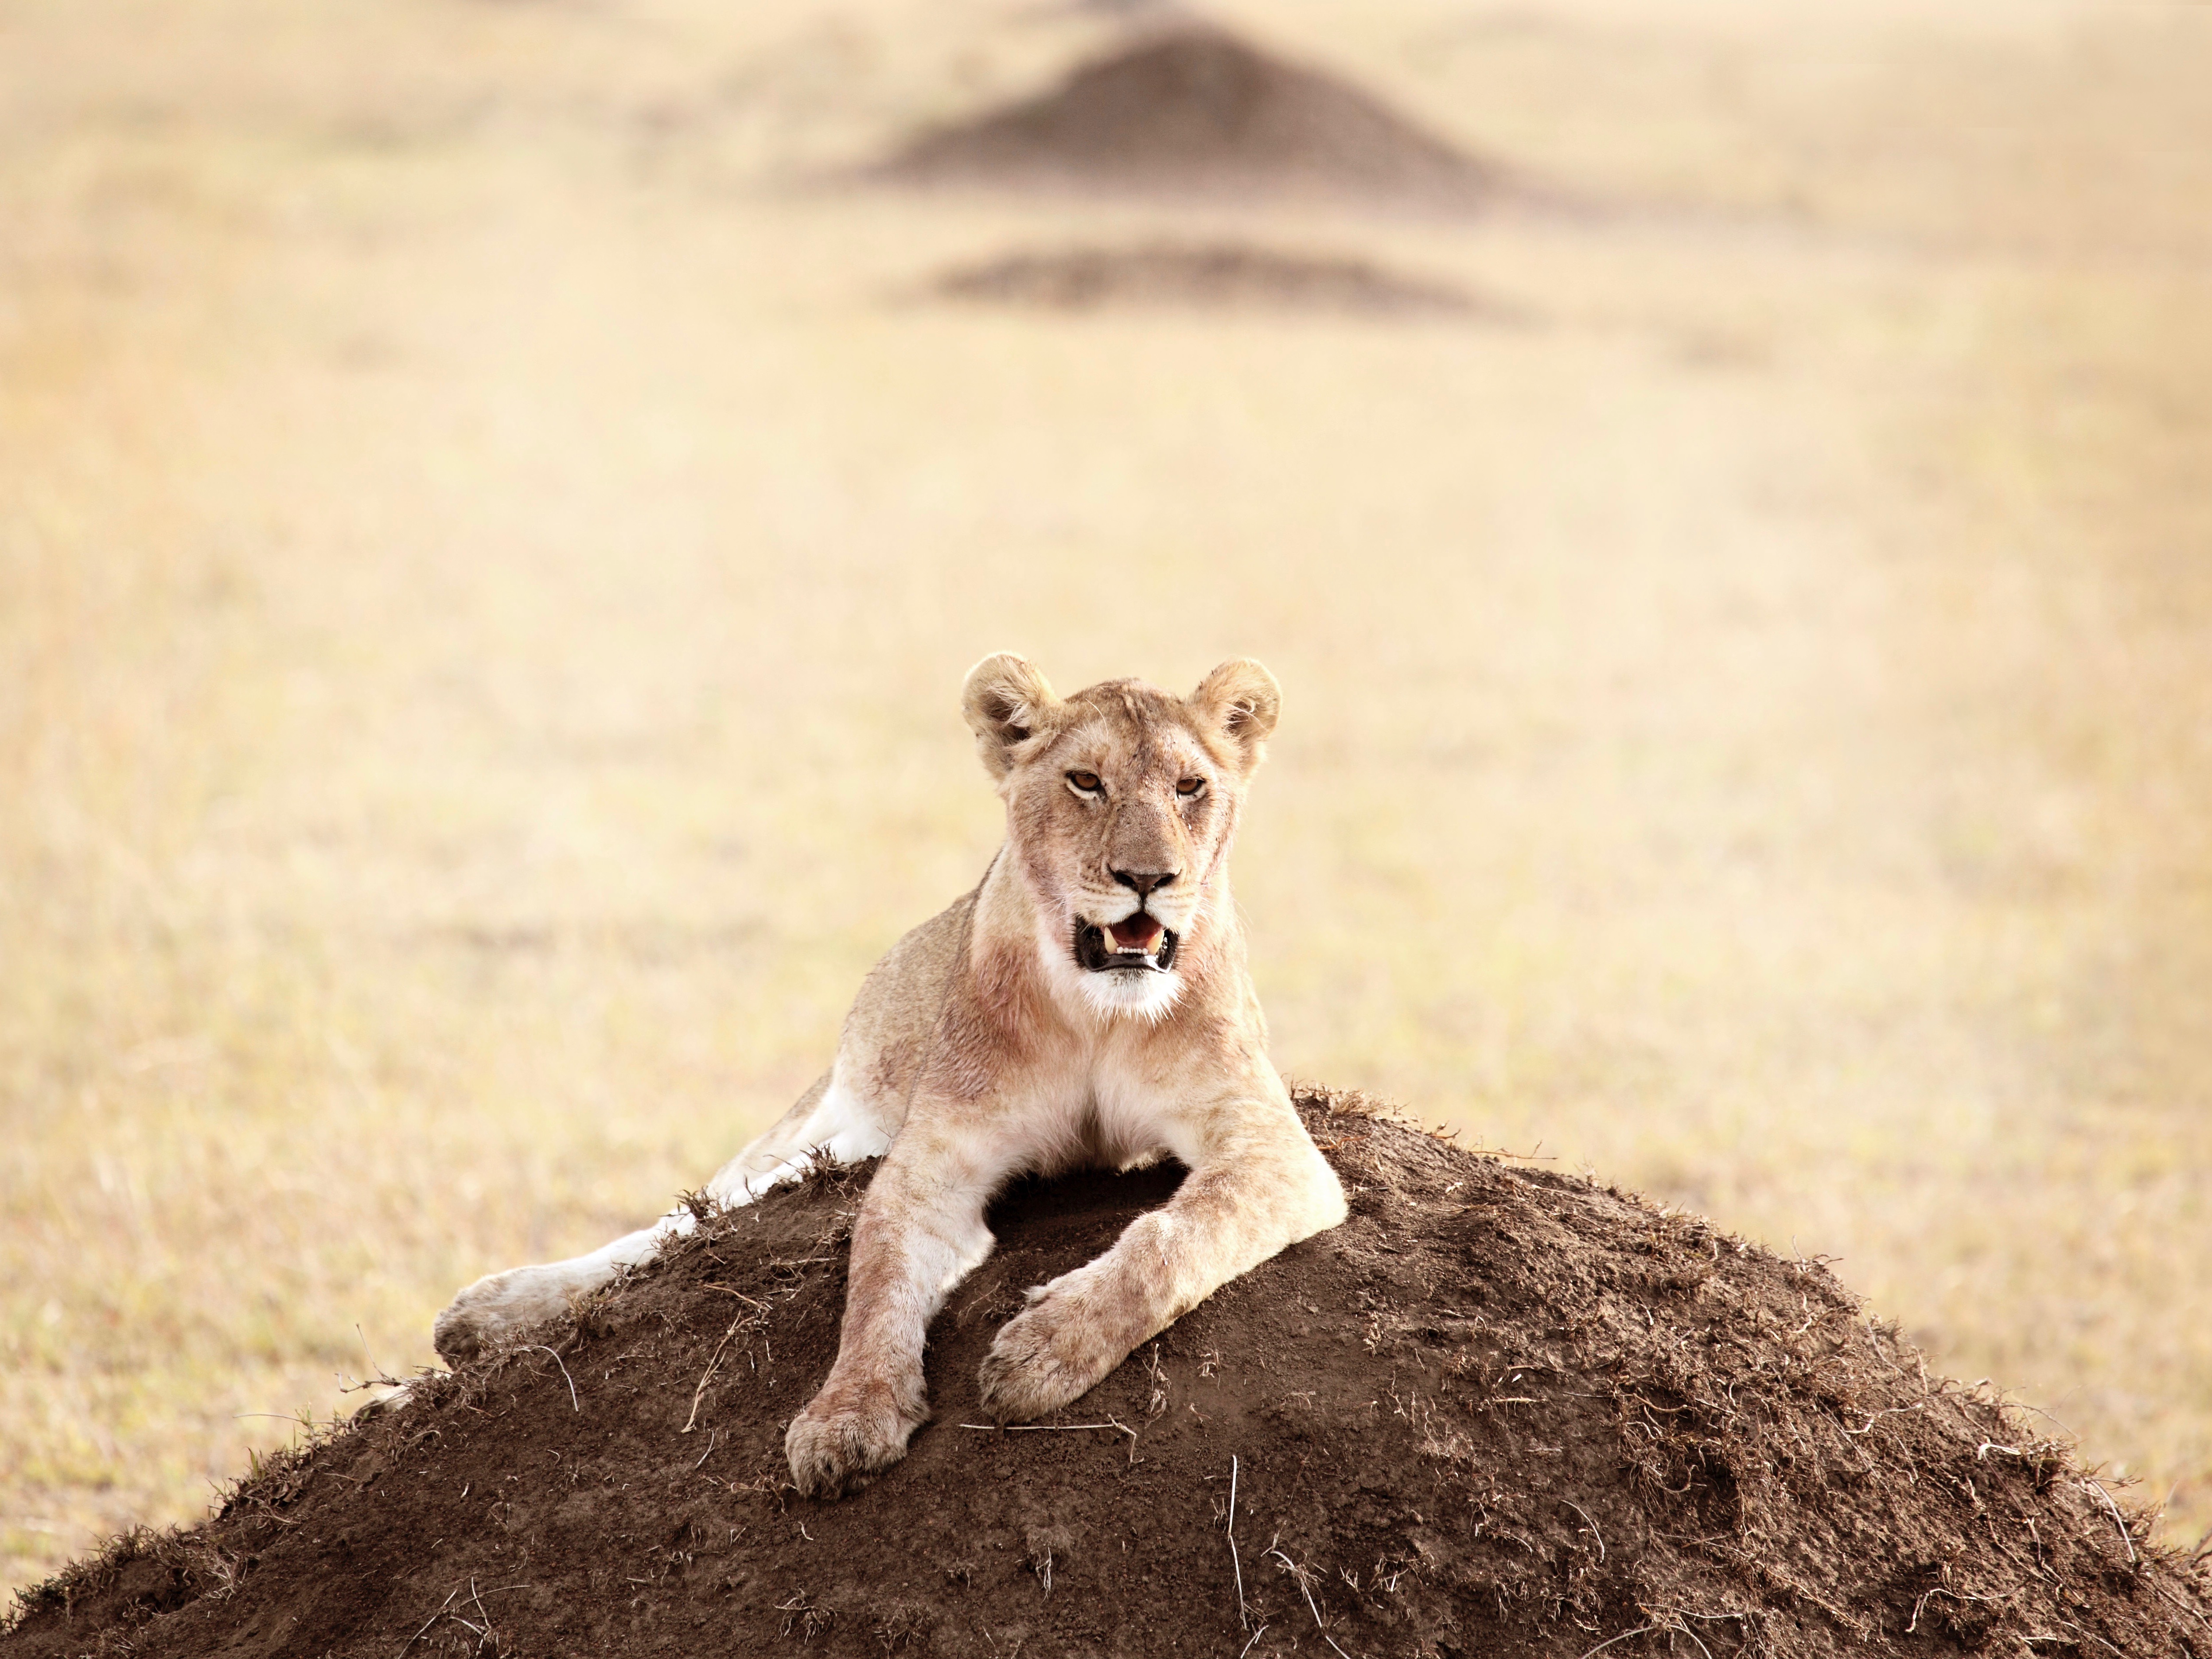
(1084, 783)
(1189, 786)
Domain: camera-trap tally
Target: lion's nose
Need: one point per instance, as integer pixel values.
(1143, 881)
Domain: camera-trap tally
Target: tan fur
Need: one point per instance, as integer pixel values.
(982, 1046)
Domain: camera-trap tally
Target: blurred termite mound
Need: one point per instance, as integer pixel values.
(1498, 1411)
(1191, 109)
(1222, 274)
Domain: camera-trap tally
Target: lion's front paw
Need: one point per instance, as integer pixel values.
(497, 1308)
(1055, 1350)
(846, 1437)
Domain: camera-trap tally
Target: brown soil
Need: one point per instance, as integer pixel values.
(1224, 275)
(1197, 110)
(1499, 1412)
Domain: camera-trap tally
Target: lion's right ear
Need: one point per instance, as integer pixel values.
(1242, 700)
(1006, 701)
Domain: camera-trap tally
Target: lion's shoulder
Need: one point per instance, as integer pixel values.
(899, 1001)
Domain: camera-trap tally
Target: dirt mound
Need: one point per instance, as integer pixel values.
(1219, 275)
(1497, 1412)
(1199, 111)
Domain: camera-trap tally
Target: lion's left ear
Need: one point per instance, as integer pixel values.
(1006, 702)
(1240, 700)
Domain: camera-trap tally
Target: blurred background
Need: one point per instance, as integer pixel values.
(497, 498)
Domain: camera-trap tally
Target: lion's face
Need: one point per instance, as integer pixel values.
(1121, 801)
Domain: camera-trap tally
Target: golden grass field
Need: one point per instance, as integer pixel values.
(489, 542)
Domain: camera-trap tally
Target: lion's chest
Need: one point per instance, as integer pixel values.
(1104, 1118)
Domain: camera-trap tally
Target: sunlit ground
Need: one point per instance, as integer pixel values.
(489, 550)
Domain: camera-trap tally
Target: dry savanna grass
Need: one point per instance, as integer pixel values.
(490, 540)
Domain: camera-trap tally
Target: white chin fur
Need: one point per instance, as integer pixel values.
(1126, 994)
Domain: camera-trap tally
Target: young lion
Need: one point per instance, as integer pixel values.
(1087, 1004)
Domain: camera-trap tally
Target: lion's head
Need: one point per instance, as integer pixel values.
(1121, 801)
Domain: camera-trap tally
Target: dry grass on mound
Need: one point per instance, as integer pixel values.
(1498, 1413)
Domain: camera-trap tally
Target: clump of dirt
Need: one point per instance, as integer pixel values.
(1499, 1412)
(1197, 110)
(1231, 276)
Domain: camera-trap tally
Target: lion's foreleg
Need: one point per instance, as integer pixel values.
(920, 1232)
(1240, 1208)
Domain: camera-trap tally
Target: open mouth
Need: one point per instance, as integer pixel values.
(1138, 943)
